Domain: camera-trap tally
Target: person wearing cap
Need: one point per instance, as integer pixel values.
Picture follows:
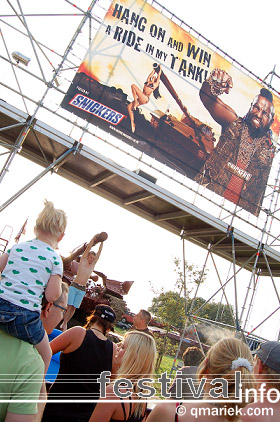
(267, 372)
(86, 352)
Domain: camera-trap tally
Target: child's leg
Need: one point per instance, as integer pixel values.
(45, 351)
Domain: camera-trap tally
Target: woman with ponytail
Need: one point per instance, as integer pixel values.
(86, 352)
(222, 361)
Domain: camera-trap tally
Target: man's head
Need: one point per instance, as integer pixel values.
(269, 354)
(142, 319)
(52, 312)
(267, 361)
(192, 356)
(261, 113)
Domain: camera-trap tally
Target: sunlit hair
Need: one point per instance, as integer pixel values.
(274, 377)
(192, 356)
(64, 289)
(51, 220)
(218, 362)
(145, 315)
(138, 361)
(95, 317)
(92, 253)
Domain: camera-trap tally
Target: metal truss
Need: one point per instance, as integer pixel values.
(38, 89)
(241, 314)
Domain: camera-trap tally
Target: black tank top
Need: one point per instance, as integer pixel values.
(76, 379)
(131, 417)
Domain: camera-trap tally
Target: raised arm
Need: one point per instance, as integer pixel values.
(157, 81)
(100, 237)
(97, 256)
(89, 246)
(150, 75)
(68, 259)
(218, 83)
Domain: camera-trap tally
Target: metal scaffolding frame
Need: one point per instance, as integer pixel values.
(47, 76)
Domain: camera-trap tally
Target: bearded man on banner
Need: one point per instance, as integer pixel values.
(239, 166)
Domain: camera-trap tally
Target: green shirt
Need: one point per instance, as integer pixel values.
(21, 375)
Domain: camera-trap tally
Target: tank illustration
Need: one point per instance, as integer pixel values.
(183, 145)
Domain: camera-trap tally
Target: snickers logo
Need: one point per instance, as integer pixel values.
(98, 109)
(237, 171)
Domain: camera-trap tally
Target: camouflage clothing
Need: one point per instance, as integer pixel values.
(247, 159)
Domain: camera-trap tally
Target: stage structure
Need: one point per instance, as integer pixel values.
(82, 104)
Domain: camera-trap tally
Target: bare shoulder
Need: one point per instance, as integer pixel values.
(78, 332)
(77, 329)
(74, 331)
(163, 412)
(68, 341)
(110, 391)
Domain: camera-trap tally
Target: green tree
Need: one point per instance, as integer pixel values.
(173, 306)
(193, 274)
(169, 306)
(212, 310)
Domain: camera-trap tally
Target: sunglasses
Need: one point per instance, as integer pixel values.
(60, 307)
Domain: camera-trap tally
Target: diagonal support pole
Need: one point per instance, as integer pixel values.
(73, 150)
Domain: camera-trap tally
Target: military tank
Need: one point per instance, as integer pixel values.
(183, 145)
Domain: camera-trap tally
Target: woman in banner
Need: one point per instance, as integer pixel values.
(142, 97)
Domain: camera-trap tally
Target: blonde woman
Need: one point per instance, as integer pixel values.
(136, 357)
(29, 270)
(223, 360)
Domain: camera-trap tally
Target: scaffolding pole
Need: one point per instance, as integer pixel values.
(73, 150)
(31, 119)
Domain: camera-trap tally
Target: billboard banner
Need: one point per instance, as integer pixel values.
(155, 86)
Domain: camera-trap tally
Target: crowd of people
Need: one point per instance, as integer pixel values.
(99, 380)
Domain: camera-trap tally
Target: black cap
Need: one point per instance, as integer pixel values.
(107, 312)
(269, 354)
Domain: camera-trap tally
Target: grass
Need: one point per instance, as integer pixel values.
(118, 330)
(165, 366)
